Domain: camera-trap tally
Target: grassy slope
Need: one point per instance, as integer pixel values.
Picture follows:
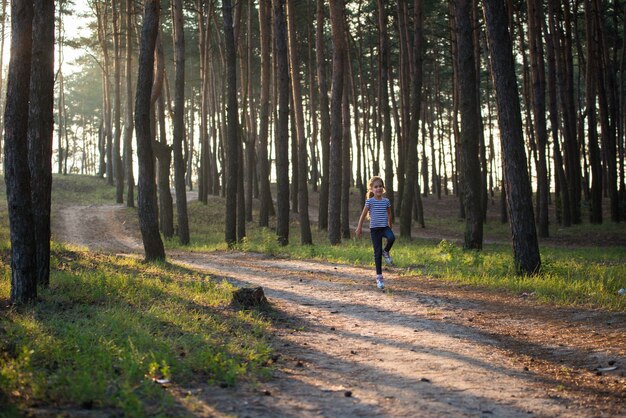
(108, 327)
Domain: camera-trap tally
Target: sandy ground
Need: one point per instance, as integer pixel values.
(422, 347)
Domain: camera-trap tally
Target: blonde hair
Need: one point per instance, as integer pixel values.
(370, 186)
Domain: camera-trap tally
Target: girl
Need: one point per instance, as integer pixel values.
(379, 209)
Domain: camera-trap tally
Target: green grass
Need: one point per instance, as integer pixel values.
(108, 326)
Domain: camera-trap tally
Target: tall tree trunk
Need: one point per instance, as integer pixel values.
(346, 163)
(102, 13)
(40, 131)
(118, 169)
(324, 115)
(591, 85)
(16, 172)
(535, 41)
(190, 139)
(383, 77)
(337, 8)
(241, 204)
(162, 151)
(468, 100)
(102, 164)
(293, 136)
(457, 186)
(482, 151)
(241, 129)
(519, 199)
(128, 122)
(265, 22)
(203, 180)
(61, 106)
(607, 109)
(620, 138)
(303, 193)
(282, 123)
(563, 202)
(179, 124)
(314, 107)
(415, 103)
(146, 202)
(402, 117)
(2, 39)
(251, 121)
(232, 126)
(568, 104)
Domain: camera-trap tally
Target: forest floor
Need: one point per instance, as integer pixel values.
(421, 347)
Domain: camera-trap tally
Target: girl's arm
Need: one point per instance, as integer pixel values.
(361, 219)
(389, 218)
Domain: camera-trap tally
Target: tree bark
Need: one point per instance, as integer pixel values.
(265, 22)
(203, 181)
(61, 104)
(40, 131)
(162, 151)
(562, 199)
(118, 168)
(2, 40)
(595, 215)
(568, 104)
(303, 193)
(607, 110)
(16, 171)
(102, 13)
(519, 199)
(232, 126)
(179, 124)
(282, 123)
(470, 140)
(383, 77)
(128, 122)
(250, 120)
(324, 115)
(336, 127)
(146, 202)
(535, 22)
(415, 103)
(346, 163)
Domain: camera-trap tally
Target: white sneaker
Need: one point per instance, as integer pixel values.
(380, 283)
(387, 257)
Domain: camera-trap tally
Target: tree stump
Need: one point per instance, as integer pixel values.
(250, 297)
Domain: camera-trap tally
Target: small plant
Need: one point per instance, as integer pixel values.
(448, 249)
(160, 371)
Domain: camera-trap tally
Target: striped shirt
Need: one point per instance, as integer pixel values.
(378, 212)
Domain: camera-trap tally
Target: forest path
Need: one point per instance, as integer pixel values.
(423, 347)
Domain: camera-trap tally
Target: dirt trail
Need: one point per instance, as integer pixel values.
(420, 348)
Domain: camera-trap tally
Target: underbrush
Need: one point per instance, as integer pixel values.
(112, 332)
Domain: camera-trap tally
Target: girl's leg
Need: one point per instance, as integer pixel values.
(377, 242)
(391, 238)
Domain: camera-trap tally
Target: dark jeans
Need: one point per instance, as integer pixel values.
(377, 239)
